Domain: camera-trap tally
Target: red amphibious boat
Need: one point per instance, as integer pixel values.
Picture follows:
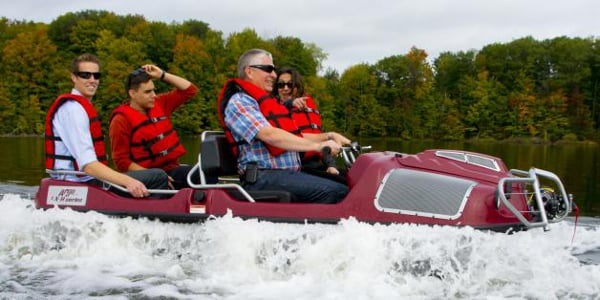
(435, 187)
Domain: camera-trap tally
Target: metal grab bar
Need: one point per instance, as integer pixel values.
(204, 185)
(349, 153)
(532, 178)
(106, 184)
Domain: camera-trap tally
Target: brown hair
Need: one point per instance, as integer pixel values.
(86, 57)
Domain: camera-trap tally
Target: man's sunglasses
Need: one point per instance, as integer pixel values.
(266, 68)
(87, 75)
(138, 71)
(282, 84)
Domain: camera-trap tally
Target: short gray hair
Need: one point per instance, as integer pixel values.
(250, 57)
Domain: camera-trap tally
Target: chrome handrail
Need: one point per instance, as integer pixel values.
(106, 184)
(203, 185)
(532, 177)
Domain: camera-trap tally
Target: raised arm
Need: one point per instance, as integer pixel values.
(172, 79)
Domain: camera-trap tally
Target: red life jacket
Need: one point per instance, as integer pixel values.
(308, 121)
(276, 113)
(154, 143)
(95, 130)
(309, 118)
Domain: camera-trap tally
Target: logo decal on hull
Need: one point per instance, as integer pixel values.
(67, 195)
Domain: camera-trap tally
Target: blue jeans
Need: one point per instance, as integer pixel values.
(305, 187)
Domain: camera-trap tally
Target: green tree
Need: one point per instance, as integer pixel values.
(504, 62)
(487, 107)
(404, 81)
(522, 106)
(440, 118)
(191, 61)
(572, 73)
(239, 42)
(333, 113)
(291, 52)
(394, 93)
(118, 56)
(362, 112)
(76, 33)
(595, 85)
(29, 60)
(215, 47)
(7, 110)
(158, 40)
(450, 68)
(194, 28)
(317, 88)
(10, 28)
(526, 87)
(317, 54)
(551, 119)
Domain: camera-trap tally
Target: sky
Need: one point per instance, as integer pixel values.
(351, 32)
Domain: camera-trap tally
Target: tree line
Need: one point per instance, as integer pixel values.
(545, 90)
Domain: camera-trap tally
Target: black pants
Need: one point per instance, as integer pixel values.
(318, 168)
(153, 179)
(180, 174)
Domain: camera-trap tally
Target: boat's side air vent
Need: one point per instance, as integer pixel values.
(426, 194)
(472, 159)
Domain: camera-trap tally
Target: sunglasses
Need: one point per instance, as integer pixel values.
(137, 72)
(283, 84)
(265, 68)
(87, 75)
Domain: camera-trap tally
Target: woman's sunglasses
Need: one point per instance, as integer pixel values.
(282, 85)
(87, 75)
(266, 68)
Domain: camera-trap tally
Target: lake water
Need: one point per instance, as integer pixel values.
(578, 165)
(61, 254)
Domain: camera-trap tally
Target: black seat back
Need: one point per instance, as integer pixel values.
(217, 158)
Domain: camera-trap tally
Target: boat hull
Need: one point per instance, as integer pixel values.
(385, 187)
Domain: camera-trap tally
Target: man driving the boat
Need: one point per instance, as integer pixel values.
(74, 137)
(141, 133)
(265, 138)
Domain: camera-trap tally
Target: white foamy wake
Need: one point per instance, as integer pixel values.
(65, 254)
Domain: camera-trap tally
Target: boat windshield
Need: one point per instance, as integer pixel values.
(473, 159)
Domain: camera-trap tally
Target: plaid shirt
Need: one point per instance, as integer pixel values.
(244, 119)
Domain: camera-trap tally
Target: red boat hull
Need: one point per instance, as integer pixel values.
(385, 187)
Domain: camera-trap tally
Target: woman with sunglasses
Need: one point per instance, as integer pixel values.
(289, 89)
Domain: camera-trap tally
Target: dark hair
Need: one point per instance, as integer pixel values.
(135, 79)
(86, 57)
(297, 81)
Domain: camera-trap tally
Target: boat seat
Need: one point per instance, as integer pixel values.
(218, 161)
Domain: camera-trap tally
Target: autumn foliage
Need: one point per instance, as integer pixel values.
(526, 88)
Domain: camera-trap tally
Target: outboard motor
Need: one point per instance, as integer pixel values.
(554, 205)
